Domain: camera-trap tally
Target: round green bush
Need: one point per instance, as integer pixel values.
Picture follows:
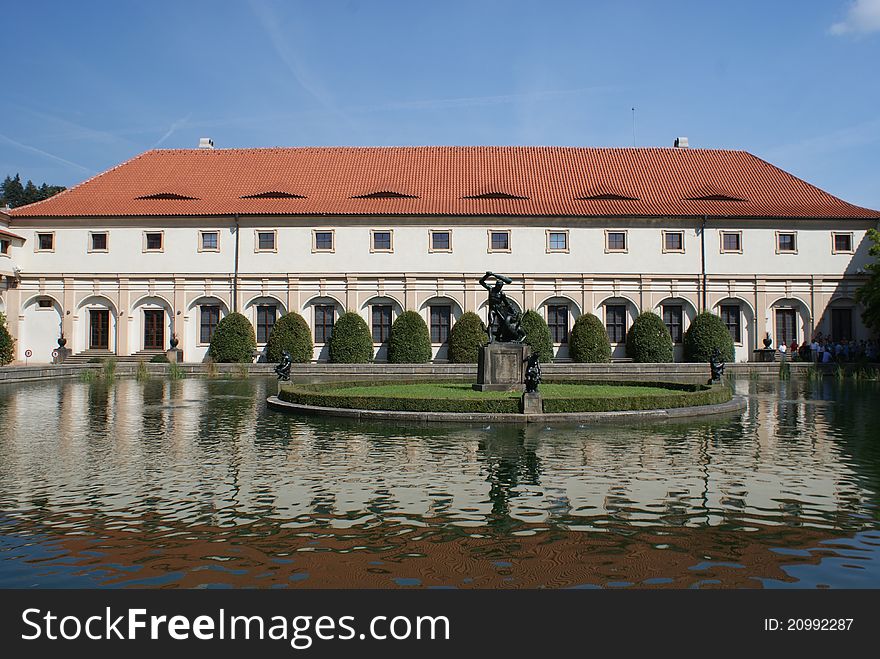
(234, 340)
(538, 335)
(7, 343)
(161, 358)
(706, 333)
(465, 339)
(291, 333)
(588, 342)
(351, 341)
(649, 340)
(410, 341)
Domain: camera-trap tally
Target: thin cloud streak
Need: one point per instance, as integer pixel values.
(175, 125)
(45, 154)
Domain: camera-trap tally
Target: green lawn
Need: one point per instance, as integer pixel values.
(458, 390)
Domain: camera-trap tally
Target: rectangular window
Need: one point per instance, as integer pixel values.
(153, 241)
(730, 316)
(322, 241)
(731, 241)
(672, 316)
(325, 316)
(615, 322)
(209, 316)
(557, 241)
(266, 316)
(381, 241)
(44, 303)
(381, 322)
(499, 241)
(210, 241)
(441, 241)
(785, 242)
(842, 324)
(440, 316)
(842, 243)
(98, 242)
(4, 246)
(615, 241)
(673, 241)
(265, 241)
(557, 320)
(45, 242)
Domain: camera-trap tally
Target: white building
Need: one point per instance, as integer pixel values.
(172, 240)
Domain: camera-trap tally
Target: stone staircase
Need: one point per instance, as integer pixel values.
(86, 356)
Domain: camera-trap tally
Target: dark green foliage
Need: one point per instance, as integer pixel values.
(869, 294)
(465, 339)
(233, 341)
(649, 340)
(14, 194)
(588, 342)
(351, 341)
(703, 396)
(7, 343)
(410, 341)
(706, 333)
(159, 359)
(291, 333)
(538, 335)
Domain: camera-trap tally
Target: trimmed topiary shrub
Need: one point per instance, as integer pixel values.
(234, 340)
(706, 333)
(291, 333)
(588, 342)
(649, 340)
(465, 339)
(7, 343)
(538, 335)
(410, 341)
(351, 341)
(161, 358)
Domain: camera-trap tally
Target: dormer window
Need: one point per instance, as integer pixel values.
(273, 194)
(385, 194)
(607, 196)
(494, 195)
(712, 193)
(167, 196)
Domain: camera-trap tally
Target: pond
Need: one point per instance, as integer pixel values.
(195, 483)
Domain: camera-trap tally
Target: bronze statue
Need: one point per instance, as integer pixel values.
(533, 374)
(283, 367)
(504, 319)
(716, 366)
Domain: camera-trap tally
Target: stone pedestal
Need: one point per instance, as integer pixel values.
(765, 355)
(532, 404)
(502, 367)
(61, 354)
(174, 355)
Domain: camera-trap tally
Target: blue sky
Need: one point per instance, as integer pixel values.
(90, 84)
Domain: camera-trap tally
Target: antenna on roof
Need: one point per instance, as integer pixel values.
(634, 126)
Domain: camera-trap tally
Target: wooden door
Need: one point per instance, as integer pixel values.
(154, 329)
(99, 329)
(786, 331)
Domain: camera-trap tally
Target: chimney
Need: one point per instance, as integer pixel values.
(208, 143)
(680, 143)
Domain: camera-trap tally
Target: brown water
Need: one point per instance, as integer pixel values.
(194, 483)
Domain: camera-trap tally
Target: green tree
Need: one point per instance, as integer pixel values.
(290, 333)
(31, 193)
(234, 340)
(588, 341)
(869, 294)
(351, 341)
(13, 192)
(410, 341)
(538, 335)
(707, 332)
(465, 339)
(649, 340)
(7, 343)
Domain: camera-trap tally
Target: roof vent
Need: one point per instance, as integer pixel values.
(206, 143)
(680, 143)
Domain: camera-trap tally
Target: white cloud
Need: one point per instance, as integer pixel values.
(862, 17)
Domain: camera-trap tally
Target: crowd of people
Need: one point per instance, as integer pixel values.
(825, 350)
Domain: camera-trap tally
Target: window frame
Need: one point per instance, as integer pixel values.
(794, 238)
(439, 250)
(90, 246)
(624, 323)
(264, 250)
(37, 235)
(440, 326)
(492, 250)
(322, 250)
(554, 323)
(202, 307)
(739, 241)
(835, 234)
(667, 249)
(152, 250)
(325, 335)
(379, 250)
(383, 329)
(737, 340)
(5, 245)
(557, 250)
(680, 307)
(47, 307)
(201, 243)
(269, 327)
(609, 249)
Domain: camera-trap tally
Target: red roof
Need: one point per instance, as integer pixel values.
(530, 181)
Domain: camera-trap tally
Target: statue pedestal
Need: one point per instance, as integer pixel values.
(532, 403)
(502, 367)
(61, 354)
(764, 355)
(174, 355)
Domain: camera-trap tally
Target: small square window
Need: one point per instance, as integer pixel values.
(265, 241)
(210, 241)
(44, 303)
(381, 241)
(785, 242)
(843, 243)
(673, 241)
(441, 241)
(45, 242)
(615, 241)
(323, 241)
(557, 241)
(99, 242)
(154, 241)
(731, 241)
(499, 241)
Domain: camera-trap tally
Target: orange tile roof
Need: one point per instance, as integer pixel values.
(524, 181)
